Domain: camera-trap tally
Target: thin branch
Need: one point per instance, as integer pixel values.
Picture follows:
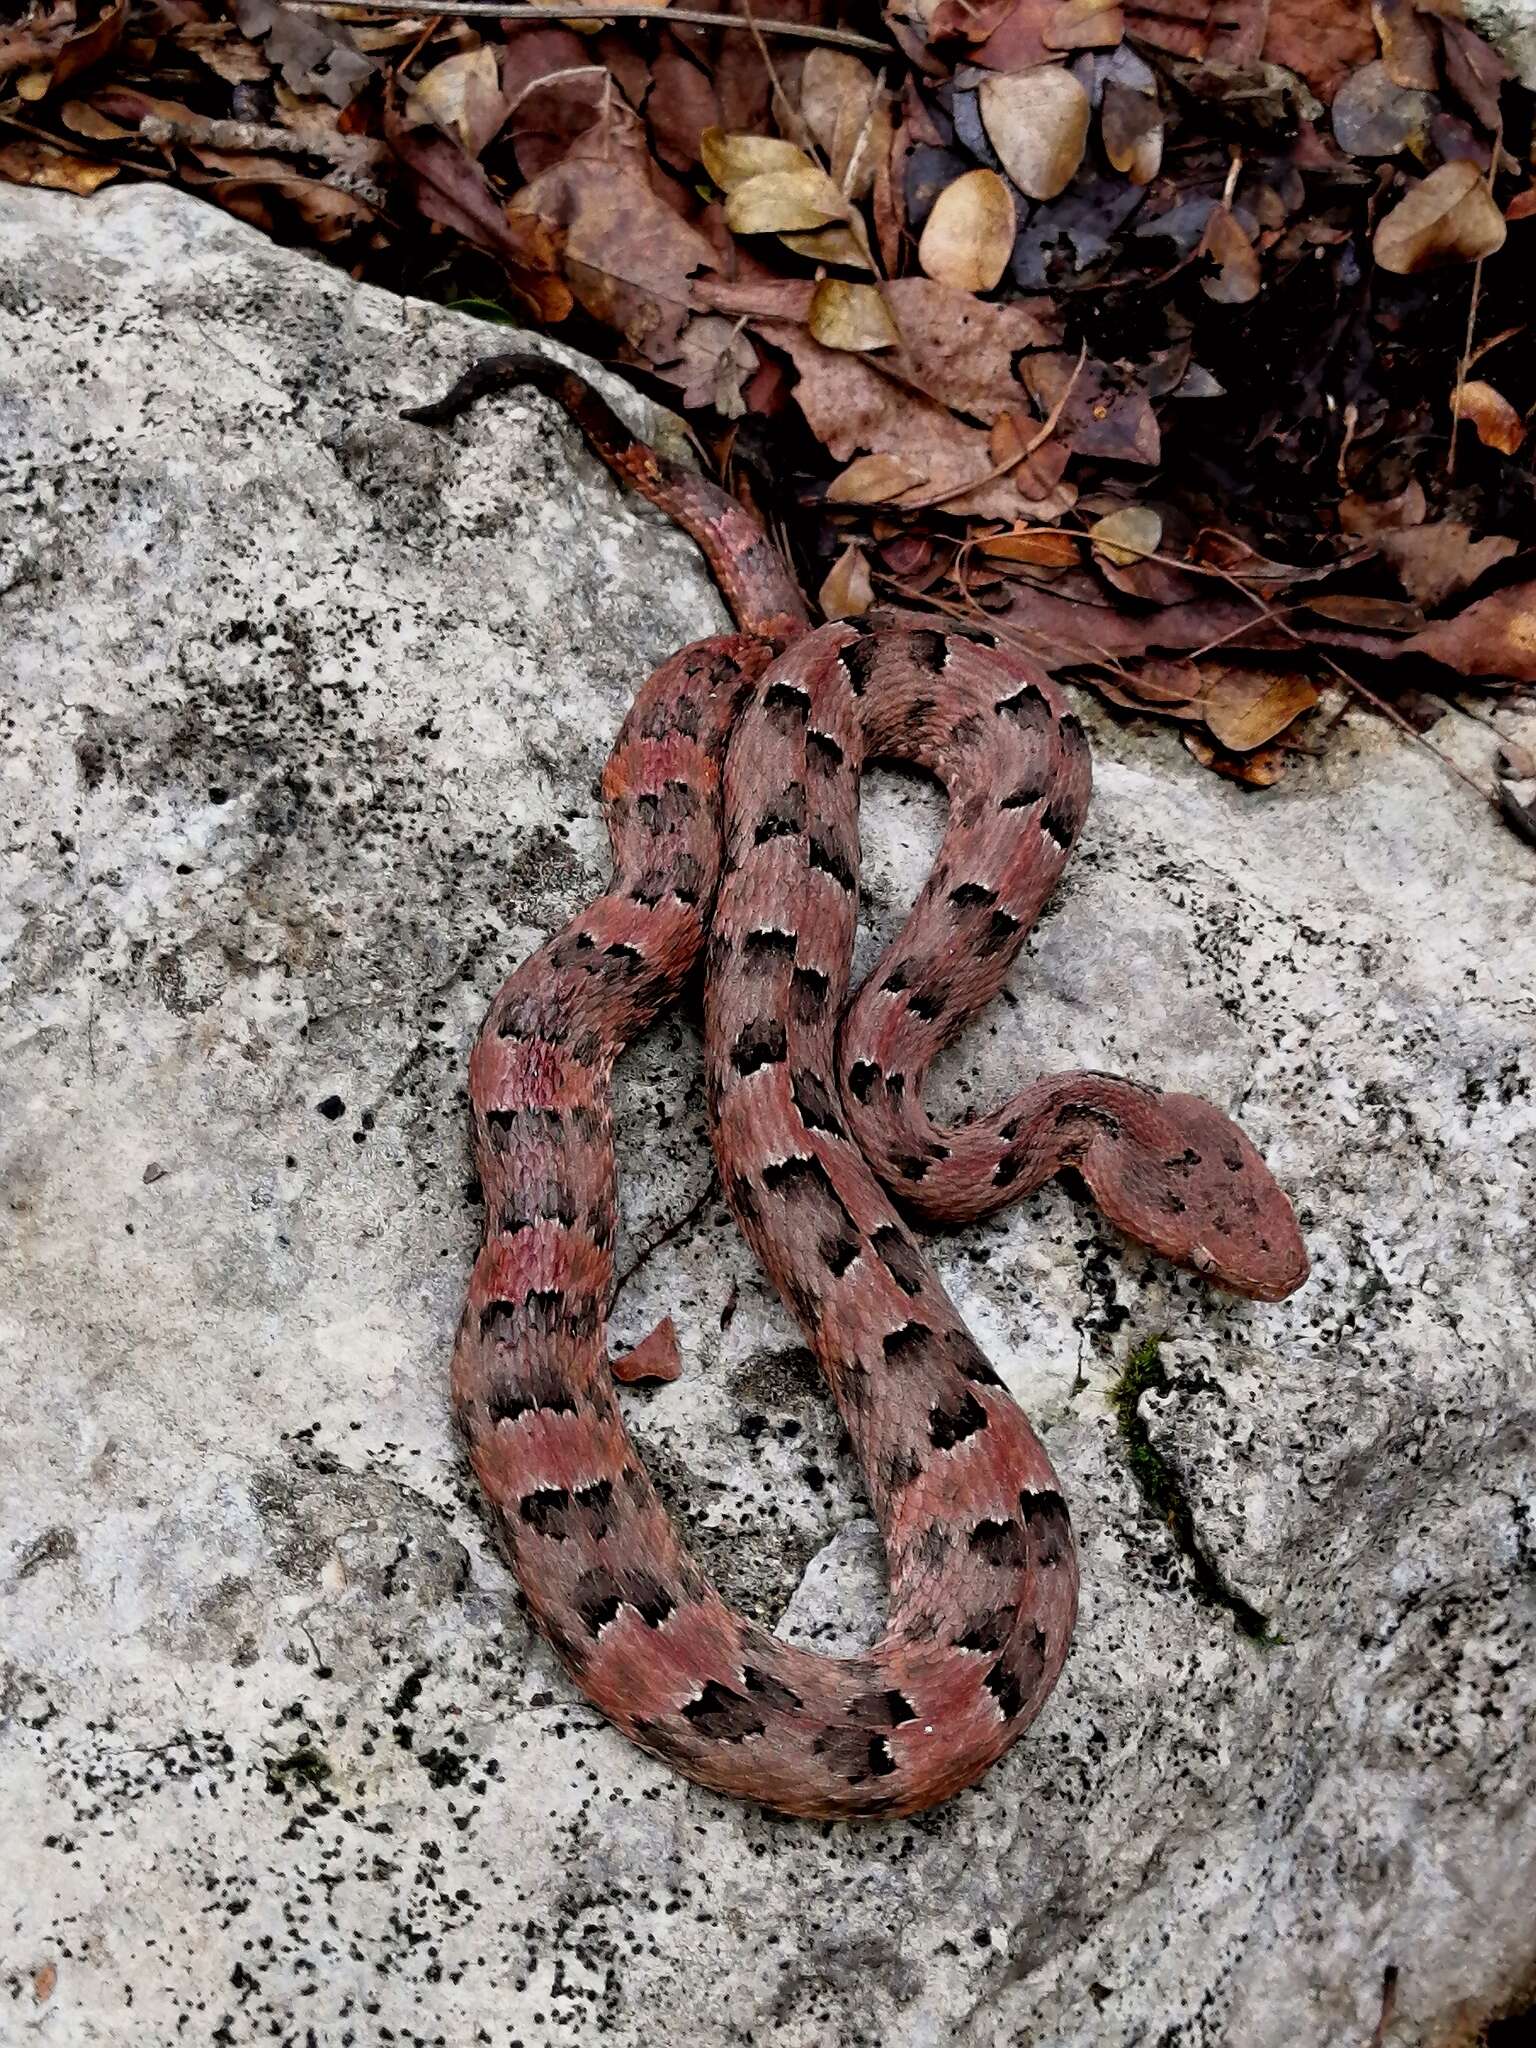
(804, 32)
(673, 1229)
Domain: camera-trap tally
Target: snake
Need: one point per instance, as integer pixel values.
(732, 805)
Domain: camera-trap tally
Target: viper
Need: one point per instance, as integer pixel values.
(732, 802)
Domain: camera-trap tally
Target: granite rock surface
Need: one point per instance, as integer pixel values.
(304, 714)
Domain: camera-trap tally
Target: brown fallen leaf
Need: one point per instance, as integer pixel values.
(1085, 25)
(77, 54)
(26, 161)
(1131, 128)
(846, 108)
(1037, 121)
(774, 201)
(1497, 423)
(1238, 279)
(451, 189)
(681, 105)
(969, 235)
(1375, 114)
(1323, 41)
(873, 480)
(851, 316)
(1260, 769)
(1040, 550)
(1474, 69)
(1370, 614)
(847, 592)
(1496, 637)
(1448, 217)
(1407, 44)
(463, 97)
(1128, 535)
(1164, 683)
(1437, 562)
(1245, 707)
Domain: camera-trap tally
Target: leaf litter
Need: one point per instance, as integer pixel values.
(1186, 345)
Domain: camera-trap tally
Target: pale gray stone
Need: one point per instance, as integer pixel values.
(299, 758)
(1511, 25)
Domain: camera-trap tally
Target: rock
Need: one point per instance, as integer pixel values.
(300, 757)
(1511, 26)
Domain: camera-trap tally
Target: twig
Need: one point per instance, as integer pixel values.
(1477, 292)
(677, 1225)
(804, 32)
(1047, 427)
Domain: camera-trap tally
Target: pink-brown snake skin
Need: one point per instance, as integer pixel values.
(732, 798)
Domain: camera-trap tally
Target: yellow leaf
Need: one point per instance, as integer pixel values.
(1128, 535)
(840, 243)
(1131, 124)
(872, 480)
(969, 233)
(731, 159)
(847, 592)
(1245, 707)
(34, 163)
(778, 201)
(1037, 121)
(851, 316)
(1498, 424)
(1043, 550)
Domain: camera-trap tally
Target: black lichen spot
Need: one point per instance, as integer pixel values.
(901, 1257)
(331, 1107)
(948, 1426)
(761, 1043)
(1000, 1543)
(723, 1715)
(770, 1690)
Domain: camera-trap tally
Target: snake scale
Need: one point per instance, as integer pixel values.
(732, 799)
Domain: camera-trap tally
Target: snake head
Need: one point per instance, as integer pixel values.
(1181, 1178)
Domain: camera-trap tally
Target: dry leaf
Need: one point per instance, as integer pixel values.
(1037, 121)
(1244, 707)
(732, 159)
(44, 1982)
(851, 316)
(845, 108)
(28, 162)
(1448, 217)
(872, 480)
(1165, 683)
(1041, 550)
(1239, 278)
(1440, 561)
(1131, 125)
(778, 200)
(969, 235)
(1498, 424)
(843, 242)
(1369, 614)
(1126, 536)
(1494, 637)
(1261, 769)
(1407, 44)
(1374, 114)
(462, 96)
(1085, 25)
(847, 592)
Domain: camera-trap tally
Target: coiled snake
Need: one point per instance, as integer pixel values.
(732, 799)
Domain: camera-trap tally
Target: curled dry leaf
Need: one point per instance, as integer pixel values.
(1131, 124)
(732, 159)
(872, 480)
(1128, 535)
(1245, 707)
(1085, 25)
(1037, 121)
(969, 234)
(847, 593)
(776, 201)
(851, 316)
(462, 96)
(1497, 423)
(1495, 637)
(1407, 44)
(846, 109)
(27, 161)
(1239, 278)
(1261, 769)
(1448, 217)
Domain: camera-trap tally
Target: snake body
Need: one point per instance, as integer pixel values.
(732, 805)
